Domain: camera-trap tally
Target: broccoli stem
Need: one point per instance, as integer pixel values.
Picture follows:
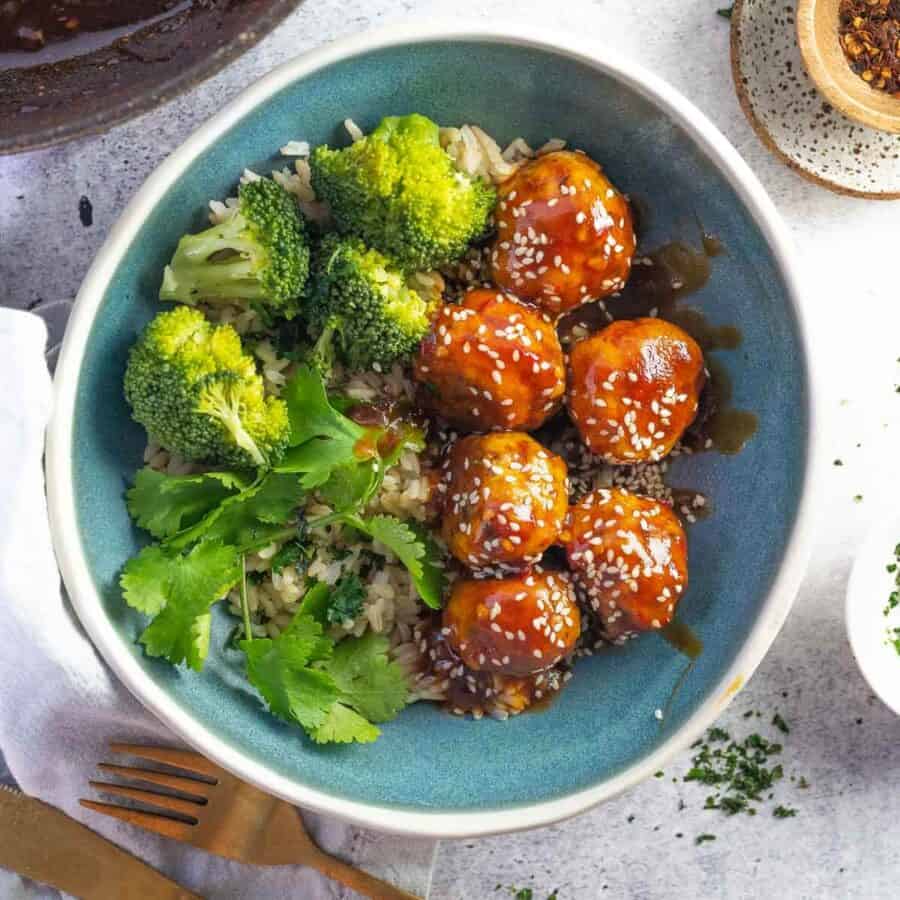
(218, 404)
(196, 270)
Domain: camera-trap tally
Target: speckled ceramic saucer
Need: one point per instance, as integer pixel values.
(793, 119)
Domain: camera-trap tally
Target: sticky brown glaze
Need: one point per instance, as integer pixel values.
(505, 500)
(564, 234)
(634, 388)
(512, 626)
(491, 363)
(628, 556)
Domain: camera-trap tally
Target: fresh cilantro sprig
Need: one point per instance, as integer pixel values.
(409, 542)
(334, 692)
(205, 526)
(322, 438)
(165, 504)
(178, 590)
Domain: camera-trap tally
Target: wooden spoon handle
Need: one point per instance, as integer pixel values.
(357, 879)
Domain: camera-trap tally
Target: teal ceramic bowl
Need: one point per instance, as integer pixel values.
(432, 773)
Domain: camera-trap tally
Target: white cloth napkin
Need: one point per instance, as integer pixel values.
(60, 705)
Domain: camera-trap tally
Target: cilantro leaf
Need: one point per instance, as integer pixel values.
(323, 439)
(315, 602)
(432, 580)
(144, 580)
(165, 504)
(279, 669)
(296, 691)
(343, 725)
(368, 680)
(190, 585)
(251, 519)
(350, 487)
(415, 549)
(311, 414)
(308, 634)
(399, 538)
(346, 600)
(316, 460)
(293, 553)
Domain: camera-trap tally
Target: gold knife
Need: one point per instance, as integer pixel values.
(46, 845)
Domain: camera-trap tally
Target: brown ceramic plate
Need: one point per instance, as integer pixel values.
(76, 95)
(797, 122)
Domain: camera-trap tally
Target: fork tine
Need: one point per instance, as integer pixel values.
(171, 828)
(187, 808)
(176, 782)
(181, 759)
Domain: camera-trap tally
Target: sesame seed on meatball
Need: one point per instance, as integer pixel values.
(505, 500)
(513, 626)
(564, 233)
(634, 388)
(491, 363)
(628, 556)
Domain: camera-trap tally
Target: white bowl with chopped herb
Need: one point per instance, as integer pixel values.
(873, 611)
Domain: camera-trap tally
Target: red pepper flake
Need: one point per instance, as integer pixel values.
(870, 37)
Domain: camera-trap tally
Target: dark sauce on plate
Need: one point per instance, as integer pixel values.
(659, 282)
(683, 639)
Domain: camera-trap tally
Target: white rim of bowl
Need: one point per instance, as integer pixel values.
(64, 525)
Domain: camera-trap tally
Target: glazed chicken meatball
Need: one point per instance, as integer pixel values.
(513, 626)
(491, 363)
(505, 500)
(564, 233)
(628, 555)
(634, 388)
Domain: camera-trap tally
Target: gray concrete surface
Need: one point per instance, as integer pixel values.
(844, 841)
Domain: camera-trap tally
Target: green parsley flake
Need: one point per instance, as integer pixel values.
(741, 772)
(704, 838)
(892, 634)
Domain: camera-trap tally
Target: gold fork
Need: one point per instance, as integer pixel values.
(211, 809)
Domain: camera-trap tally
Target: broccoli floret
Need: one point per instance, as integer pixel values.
(362, 306)
(260, 254)
(401, 193)
(197, 393)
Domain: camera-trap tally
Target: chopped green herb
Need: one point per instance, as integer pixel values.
(346, 600)
(857, 498)
(293, 553)
(894, 639)
(780, 724)
(704, 838)
(659, 774)
(838, 462)
(741, 772)
(784, 812)
(725, 12)
(892, 633)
